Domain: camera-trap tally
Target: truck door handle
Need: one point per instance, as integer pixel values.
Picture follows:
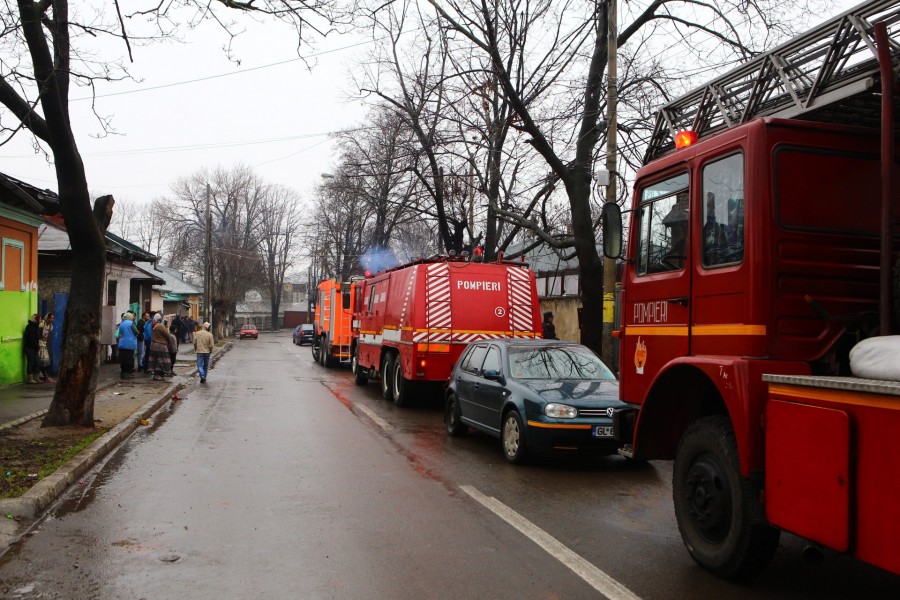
(683, 300)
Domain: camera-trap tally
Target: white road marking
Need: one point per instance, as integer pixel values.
(594, 577)
(371, 414)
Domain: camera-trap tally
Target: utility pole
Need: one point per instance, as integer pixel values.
(207, 276)
(609, 264)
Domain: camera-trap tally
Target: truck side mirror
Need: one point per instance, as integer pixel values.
(612, 230)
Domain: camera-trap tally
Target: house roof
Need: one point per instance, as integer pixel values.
(24, 196)
(174, 279)
(53, 237)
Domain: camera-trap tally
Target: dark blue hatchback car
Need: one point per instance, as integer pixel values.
(537, 396)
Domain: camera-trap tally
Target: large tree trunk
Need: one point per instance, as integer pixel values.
(73, 399)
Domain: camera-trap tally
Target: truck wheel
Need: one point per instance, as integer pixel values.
(400, 384)
(323, 352)
(361, 377)
(387, 370)
(512, 436)
(452, 420)
(314, 346)
(713, 503)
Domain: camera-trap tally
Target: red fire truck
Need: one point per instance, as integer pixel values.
(760, 251)
(412, 322)
(332, 320)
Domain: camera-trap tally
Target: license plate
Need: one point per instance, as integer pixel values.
(602, 431)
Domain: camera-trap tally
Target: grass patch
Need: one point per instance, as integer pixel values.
(24, 462)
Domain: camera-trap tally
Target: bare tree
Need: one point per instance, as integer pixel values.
(342, 216)
(380, 158)
(236, 202)
(279, 235)
(42, 60)
(412, 84)
(535, 46)
(144, 224)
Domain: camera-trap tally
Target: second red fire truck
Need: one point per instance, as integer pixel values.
(412, 322)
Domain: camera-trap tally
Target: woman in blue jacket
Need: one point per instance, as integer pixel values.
(127, 335)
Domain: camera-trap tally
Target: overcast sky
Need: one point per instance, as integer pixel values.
(193, 108)
(272, 117)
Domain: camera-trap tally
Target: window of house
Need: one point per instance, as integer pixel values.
(111, 286)
(722, 236)
(12, 265)
(663, 226)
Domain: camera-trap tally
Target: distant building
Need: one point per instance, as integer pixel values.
(256, 308)
(174, 296)
(126, 286)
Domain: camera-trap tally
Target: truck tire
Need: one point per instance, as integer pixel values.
(400, 385)
(323, 351)
(361, 377)
(314, 346)
(387, 380)
(713, 503)
(329, 360)
(452, 417)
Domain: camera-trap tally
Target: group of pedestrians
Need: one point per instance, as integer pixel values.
(37, 348)
(156, 343)
(150, 342)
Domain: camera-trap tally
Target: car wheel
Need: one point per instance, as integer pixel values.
(361, 377)
(513, 438)
(713, 503)
(315, 351)
(387, 371)
(453, 418)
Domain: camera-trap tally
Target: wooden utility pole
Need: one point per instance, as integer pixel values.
(207, 276)
(609, 264)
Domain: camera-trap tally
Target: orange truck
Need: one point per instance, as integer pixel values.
(332, 321)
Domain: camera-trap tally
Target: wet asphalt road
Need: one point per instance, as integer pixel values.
(281, 479)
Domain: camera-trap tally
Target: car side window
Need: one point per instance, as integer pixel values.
(473, 362)
(492, 360)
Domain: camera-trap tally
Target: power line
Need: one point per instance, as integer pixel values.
(221, 75)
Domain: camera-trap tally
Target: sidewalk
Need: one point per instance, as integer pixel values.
(22, 401)
(114, 406)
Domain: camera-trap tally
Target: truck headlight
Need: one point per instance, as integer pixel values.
(560, 411)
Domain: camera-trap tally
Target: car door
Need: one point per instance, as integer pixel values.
(466, 380)
(490, 394)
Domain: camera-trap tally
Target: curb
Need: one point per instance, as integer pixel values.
(36, 500)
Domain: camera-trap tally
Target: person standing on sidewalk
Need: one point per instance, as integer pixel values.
(127, 336)
(141, 348)
(158, 360)
(148, 339)
(30, 345)
(44, 357)
(203, 346)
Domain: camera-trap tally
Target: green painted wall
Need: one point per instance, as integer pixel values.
(15, 307)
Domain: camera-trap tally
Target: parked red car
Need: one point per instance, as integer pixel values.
(248, 331)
